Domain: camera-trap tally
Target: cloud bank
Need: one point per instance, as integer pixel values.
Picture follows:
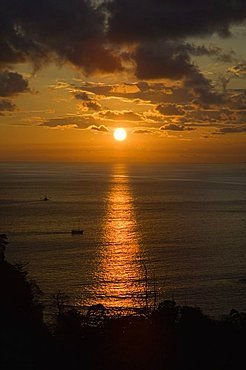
(149, 38)
(90, 34)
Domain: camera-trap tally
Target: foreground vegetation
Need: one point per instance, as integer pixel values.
(171, 337)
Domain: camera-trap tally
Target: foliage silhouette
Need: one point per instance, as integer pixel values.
(23, 334)
(170, 337)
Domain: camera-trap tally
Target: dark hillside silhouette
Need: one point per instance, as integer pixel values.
(171, 337)
(23, 334)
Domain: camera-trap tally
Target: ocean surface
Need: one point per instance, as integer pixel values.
(151, 232)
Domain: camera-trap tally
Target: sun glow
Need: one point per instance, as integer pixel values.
(120, 134)
(119, 277)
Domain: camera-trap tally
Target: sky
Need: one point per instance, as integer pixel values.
(171, 72)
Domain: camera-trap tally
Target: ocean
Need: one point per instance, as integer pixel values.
(151, 232)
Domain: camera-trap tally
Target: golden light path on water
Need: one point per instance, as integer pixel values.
(120, 272)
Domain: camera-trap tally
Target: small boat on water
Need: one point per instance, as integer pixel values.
(45, 198)
(77, 231)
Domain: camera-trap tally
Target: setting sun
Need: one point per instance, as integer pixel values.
(120, 134)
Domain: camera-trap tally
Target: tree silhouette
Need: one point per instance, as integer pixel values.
(21, 318)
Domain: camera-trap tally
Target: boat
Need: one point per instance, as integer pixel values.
(77, 231)
(45, 198)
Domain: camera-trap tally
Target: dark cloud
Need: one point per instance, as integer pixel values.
(231, 130)
(95, 88)
(143, 86)
(69, 30)
(197, 102)
(175, 127)
(57, 122)
(153, 92)
(210, 51)
(170, 110)
(172, 60)
(145, 20)
(92, 105)
(142, 131)
(165, 59)
(211, 116)
(237, 100)
(82, 95)
(12, 83)
(17, 45)
(100, 128)
(159, 29)
(76, 122)
(121, 115)
(6, 105)
(130, 91)
(87, 101)
(88, 33)
(202, 90)
(92, 34)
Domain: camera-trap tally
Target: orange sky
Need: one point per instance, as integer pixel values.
(180, 99)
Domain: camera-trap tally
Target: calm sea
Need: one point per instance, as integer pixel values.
(174, 231)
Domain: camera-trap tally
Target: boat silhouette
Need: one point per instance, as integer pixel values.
(77, 230)
(45, 198)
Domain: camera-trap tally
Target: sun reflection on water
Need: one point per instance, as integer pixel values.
(120, 274)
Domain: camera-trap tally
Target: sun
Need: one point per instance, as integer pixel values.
(120, 134)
